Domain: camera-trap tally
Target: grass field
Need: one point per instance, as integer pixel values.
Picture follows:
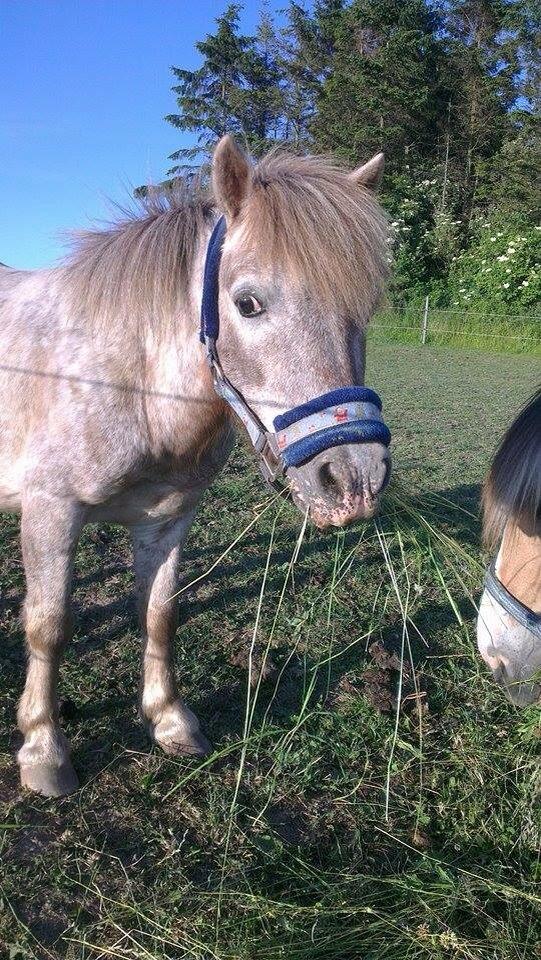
(372, 794)
(519, 333)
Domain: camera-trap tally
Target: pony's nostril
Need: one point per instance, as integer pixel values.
(329, 477)
(386, 462)
(378, 476)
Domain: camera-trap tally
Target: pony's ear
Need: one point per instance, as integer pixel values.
(369, 174)
(231, 176)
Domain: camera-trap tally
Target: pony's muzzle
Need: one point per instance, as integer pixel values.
(518, 683)
(342, 484)
(510, 651)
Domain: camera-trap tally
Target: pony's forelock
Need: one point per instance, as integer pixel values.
(307, 213)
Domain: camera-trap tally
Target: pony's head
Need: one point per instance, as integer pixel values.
(303, 268)
(509, 623)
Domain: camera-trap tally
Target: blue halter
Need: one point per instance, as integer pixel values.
(346, 415)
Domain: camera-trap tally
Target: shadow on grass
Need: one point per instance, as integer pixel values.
(454, 510)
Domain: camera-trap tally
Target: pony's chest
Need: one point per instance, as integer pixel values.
(165, 488)
(149, 501)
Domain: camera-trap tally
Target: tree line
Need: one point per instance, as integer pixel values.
(451, 92)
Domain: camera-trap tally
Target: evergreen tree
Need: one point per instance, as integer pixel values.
(483, 69)
(384, 92)
(298, 64)
(525, 18)
(235, 90)
(261, 98)
(450, 91)
(510, 180)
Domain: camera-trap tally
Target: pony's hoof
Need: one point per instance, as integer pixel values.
(48, 780)
(194, 744)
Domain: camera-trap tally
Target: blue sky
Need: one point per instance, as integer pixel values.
(85, 86)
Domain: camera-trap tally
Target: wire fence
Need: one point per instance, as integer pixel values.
(452, 331)
(427, 325)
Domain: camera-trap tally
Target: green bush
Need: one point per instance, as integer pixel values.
(491, 266)
(423, 240)
(500, 272)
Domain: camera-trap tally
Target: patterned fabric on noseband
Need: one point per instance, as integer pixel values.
(347, 415)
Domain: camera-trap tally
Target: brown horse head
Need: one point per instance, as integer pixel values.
(509, 624)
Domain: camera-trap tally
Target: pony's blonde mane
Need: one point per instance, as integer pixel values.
(304, 212)
(512, 490)
(137, 268)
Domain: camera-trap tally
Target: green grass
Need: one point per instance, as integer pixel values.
(460, 328)
(328, 824)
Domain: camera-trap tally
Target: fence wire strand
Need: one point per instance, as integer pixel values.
(428, 329)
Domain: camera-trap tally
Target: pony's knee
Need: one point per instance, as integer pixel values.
(47, 627)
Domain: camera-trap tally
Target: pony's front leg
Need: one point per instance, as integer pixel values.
(157, 551)
(50, 530)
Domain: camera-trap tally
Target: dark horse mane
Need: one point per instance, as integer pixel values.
(512, 490)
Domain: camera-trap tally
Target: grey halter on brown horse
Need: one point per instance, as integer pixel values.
(109, 410)
(509, 623)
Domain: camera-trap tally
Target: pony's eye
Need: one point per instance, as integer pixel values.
(248, 306)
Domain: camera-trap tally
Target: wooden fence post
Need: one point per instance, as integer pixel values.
(425, 322)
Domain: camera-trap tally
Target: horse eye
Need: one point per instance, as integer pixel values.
(248, 306)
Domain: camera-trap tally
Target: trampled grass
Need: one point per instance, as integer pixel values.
(371, 795)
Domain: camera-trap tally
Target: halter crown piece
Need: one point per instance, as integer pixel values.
(347, 415)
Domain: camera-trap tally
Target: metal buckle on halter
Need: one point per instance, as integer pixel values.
(270, 465)
(270, 462)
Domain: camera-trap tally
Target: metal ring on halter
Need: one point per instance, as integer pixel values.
(348, 415)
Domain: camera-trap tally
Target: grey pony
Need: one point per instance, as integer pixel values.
(108, 411)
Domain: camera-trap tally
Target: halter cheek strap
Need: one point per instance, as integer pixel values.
(528, 618)
(347, 415)
(210, 311)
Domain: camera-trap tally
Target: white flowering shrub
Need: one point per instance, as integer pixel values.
(500, 272)
(424, 236)
(483, 278)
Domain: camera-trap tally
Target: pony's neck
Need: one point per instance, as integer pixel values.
(181, 403)
(518, 565)
(175, 360)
